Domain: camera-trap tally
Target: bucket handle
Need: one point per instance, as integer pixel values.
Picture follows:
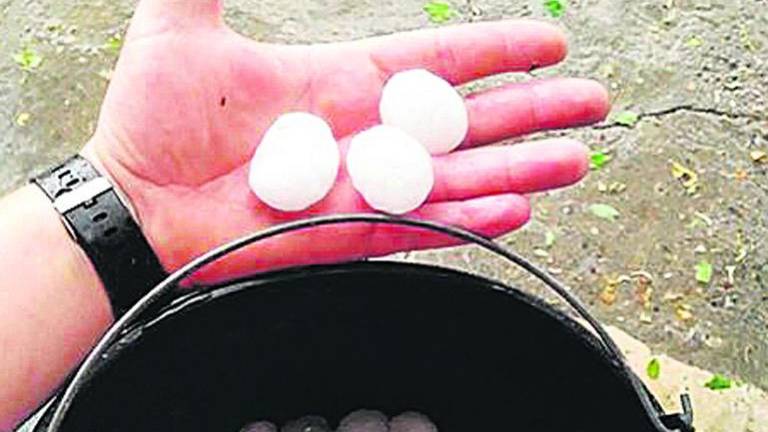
(682, 422)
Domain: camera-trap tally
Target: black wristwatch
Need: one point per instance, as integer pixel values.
(101, 223)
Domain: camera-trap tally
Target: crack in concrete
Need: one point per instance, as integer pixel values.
(684, 108)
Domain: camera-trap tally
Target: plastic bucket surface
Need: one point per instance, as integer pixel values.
(470, 353)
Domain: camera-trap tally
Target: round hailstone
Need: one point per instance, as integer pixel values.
(259, 427)
(296, 163)
(426, 107)
(411, 422)
(390, 169)
(364, 421)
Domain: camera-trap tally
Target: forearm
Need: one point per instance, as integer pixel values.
(52, 304)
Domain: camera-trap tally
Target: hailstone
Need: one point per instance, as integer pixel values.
(391, 170)
(426, 107)
(411, 422)
(259, 427)
(364, 421)
(296, 163)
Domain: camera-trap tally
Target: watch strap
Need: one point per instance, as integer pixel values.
(102, 225)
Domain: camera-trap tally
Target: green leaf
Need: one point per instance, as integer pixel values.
(598, 159)
(704, 272)
(718, 382)
(28, 59)
(556, 8)
(114, 43)
(604, 211)
(628, 118)
(653, 369)
(549, 239)
(439, 11)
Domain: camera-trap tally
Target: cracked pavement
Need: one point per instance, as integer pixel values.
(683, 108)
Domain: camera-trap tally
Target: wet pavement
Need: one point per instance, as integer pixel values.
(687, 178)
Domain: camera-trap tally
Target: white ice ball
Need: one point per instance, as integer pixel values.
(259, 427)
(296, 163)
(426, 107)
(411, 422)
(390, 169)
(364, 421)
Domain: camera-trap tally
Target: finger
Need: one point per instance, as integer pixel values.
(490, 216)
(523, 108)
(522, 169)
(157, 16)
(471, 51)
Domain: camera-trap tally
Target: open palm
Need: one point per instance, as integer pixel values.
(190, 100)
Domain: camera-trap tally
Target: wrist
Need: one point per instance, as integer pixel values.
(102, 226)
(133, 192)
(91, 155)
(139, 193)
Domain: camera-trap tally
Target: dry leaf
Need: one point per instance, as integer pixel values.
(645, 295)
(758, 156)
(610, 292)
(688, 177)
(672, 297)
(684, 313)
(23, 118)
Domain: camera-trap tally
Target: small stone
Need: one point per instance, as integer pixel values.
(105, 74)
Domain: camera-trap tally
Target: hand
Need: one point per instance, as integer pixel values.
(190, 100)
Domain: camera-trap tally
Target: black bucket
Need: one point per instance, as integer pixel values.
(471, 353)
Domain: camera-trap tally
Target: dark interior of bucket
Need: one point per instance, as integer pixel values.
(468, 353)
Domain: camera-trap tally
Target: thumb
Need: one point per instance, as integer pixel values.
(158, 16)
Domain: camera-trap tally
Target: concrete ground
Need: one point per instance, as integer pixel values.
(688, 177)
